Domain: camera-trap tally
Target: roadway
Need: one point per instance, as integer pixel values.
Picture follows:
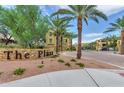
(102, 56)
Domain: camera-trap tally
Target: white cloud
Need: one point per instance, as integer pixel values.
(64, 7)
(87, 38)
(90, 35)
(88, 41)
(74, 41)
(110, 9)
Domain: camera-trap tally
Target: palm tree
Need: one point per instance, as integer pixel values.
(118, 26)
(63, 32)
(82, 13)
(59, 26)
(55, 24)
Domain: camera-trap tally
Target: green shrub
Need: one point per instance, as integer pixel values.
(68, 49)
(73, 48)
(40, 66)
(19, 71)
(73, 60)
(60, 60)
(10, 46)
(68, 64)
(80, 64)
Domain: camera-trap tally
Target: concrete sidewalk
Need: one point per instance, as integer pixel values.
(71, 78)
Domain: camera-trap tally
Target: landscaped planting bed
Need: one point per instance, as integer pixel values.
(13, 70)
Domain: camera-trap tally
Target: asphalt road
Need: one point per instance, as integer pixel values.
(106, 57)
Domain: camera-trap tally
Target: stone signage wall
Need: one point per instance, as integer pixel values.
(23, 54)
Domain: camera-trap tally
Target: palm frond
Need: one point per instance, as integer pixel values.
(99, 14)
(68, 18)
(95, 19)
(115, 25)
(63, 11)
(111, 29)
(118, 25)
(86, 20)
(89, 7)
(73, 7)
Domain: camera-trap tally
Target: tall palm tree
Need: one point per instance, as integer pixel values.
(59, 25)
(82, 13)
(55, 24)
(63, 32)
(118, 26)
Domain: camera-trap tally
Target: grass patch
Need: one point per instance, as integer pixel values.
(68, 64)
(73, 60)
(60, 60)
(19, 71)
(40, 66)
(80, 65)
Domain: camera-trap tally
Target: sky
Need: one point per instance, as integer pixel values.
(93, 31)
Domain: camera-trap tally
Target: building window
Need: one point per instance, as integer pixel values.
(50, 34)
(50, 41)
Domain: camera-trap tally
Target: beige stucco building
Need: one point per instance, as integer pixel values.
(119, 45)
(100, 44)
(51, 41)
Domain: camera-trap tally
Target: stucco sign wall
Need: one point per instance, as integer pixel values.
(23, 54)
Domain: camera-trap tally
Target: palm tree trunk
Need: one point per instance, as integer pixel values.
(122, 42)
(61, 43)
(57, 42)
(71, 43)
(79, 25)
